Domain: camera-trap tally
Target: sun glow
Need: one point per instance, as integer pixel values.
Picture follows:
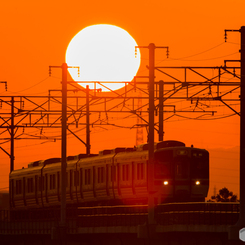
(104, 53)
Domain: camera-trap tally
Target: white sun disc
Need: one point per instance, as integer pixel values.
(104, 53)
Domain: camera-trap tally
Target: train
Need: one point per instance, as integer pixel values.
(115, 176)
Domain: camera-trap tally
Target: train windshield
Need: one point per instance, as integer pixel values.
(162, 164)
(181, 167)
(200, 164)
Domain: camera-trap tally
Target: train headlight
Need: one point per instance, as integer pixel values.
(165, 182)
(197, 182)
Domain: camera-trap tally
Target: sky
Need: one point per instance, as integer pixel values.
(35, 35)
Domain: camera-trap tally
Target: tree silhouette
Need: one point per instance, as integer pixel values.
(224, 196)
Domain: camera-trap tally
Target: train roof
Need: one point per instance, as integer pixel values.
(160, 145)
(139, 148)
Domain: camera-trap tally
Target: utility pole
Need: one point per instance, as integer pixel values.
(87, 122)
(63, 146)
(161, 131)
(151, 133)
(60, 232)
(234, 230)
(242, 130)
(12, 136)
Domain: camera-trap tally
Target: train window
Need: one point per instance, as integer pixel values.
(102, 175)
(46, 182)
(113, 174)
(99, 175)
(81, 177)
(123, 172)
(41, 183)
(140, 171)
(18, 187)
(76, 178)
(36, 183)
(127, 172)
(52, 181)
(87, 176)
(58, 180)
(30, 185)
(70, 178)
(66, 179)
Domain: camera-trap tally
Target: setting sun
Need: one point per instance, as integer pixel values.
(104, 53)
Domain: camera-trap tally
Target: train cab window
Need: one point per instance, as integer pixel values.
(163, 161)
(18, 187)
(182, 168)
(200, 164)
(76, 178)
(30, 185)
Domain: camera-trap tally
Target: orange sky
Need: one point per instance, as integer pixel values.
(35, 35)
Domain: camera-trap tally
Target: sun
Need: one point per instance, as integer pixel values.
(104, 53)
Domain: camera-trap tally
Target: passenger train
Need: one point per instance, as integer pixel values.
(117, 176)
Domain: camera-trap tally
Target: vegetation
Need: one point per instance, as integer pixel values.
(224, 196)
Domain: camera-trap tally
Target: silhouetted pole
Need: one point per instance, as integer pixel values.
(242, 130)
(234, 230)
(63, 147)
(161, 132)
(12, 136)
(151, 133)
(87, 121)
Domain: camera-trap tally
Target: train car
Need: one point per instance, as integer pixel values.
(117, 176)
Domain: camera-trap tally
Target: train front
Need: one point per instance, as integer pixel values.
(181, 174)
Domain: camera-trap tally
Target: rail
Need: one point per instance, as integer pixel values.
(42, 222)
